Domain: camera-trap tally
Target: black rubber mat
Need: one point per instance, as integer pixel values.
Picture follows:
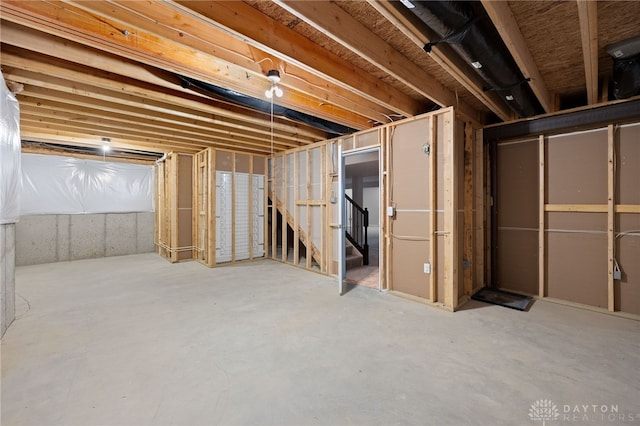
(503, 298)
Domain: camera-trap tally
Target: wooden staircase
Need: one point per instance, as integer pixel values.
(354, 258)
(302, 235)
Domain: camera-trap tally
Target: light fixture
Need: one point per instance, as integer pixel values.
(477, 65)
(274, 78)
(509, 97)
(105, 145)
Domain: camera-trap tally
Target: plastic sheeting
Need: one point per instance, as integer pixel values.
(9, 155)
(64, 185)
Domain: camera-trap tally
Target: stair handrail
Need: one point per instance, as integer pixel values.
(359, 232)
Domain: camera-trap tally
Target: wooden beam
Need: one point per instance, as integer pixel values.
(450, 192)
(433, 207)
(502, 18)
(479, 207)
(468, 223)
(199, 33)
(296, 53)
(211, 208)
(592, 208)
(71, 60)
(334, 22)
(541, 213)
(199, 134)
(145, 103)
(588, 15)
(60, 151)
(68, 116)
(123, 39)
(611, 217)
(449, 61)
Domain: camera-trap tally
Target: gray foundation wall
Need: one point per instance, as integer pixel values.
(7, 276)
(63, 237)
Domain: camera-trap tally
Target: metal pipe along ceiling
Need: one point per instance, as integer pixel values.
(333, 129)
(469, 31)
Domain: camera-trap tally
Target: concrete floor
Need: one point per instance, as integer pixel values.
(135, 340)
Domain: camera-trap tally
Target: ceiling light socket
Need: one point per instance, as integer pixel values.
(273, 76)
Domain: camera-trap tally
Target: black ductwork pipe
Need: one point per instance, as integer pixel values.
(470, 33)
(334, 129)
(626, 77)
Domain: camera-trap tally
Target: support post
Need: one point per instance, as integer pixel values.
(610, 216)
(433, 206)
(541, 221)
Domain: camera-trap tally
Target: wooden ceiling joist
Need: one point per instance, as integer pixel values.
(444, 56)
(504, 21)
(104, 33)
(588, 14)
(199, 33)
(147, 83)
(331, 20)
(293, 50)
(192, 129)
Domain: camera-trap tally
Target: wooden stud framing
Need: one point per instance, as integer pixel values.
(251, 212)
(592, 208)
(309, 256)
(541, 221)
(433, 205)
(468, 224)
(211, 221)
(450, 215)
(479, 211)
(233, 207)
(274, 209)
(610, 216)
(173, 204)
(265, 203)
(323, 208)
(285, 173)
(296, 208)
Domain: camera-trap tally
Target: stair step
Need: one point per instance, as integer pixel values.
(354, 261)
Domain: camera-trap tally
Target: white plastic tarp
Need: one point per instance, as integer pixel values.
(9, 155)
(65, 185)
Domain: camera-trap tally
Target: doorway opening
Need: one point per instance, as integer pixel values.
(362, 218)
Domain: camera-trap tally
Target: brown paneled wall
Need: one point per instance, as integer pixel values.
(590, 221)
(174, 210)
(432, 170)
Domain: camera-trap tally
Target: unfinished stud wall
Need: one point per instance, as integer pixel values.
(568, 209)
(436, 236)
(449, 238)
(298, 206)
(174, 207)
(230, 206)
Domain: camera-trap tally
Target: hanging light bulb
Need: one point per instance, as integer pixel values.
(105, 145)
(274, 78)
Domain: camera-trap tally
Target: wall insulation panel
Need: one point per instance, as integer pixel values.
(230, 221)
(410, 184)
(409, 232)
(590, 223)
(518, 216)
(174, 212)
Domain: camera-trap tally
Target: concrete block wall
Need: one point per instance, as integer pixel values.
(63, 237)
(7, 276)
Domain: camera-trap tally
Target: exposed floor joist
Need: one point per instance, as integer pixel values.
(502, 18)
